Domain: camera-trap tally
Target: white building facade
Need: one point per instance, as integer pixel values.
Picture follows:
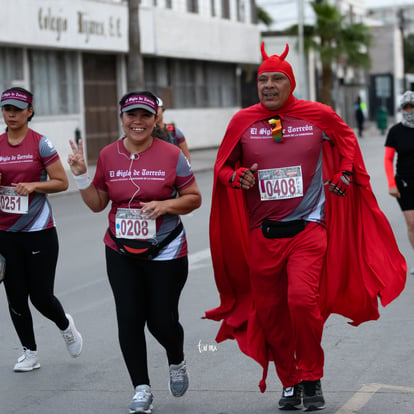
(72, 55)
(390, 25)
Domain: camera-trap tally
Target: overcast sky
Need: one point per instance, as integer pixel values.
(379, 3)
(285, 12)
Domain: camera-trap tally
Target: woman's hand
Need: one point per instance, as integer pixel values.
(154, 209)
(76, 160)
(188, 200)
(24, 188)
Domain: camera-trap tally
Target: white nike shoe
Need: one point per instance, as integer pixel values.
(72, 338)
(27, 362)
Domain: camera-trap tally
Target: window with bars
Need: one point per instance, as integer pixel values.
(225, 9)
(54, 80)
(11, 68)
(192, 6)
(213, 8)
(192, 84)
(241, 10)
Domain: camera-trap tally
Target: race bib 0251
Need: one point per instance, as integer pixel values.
(11, 202)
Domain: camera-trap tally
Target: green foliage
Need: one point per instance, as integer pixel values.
(336, 41)
(263, 16)
(409, 53)
(356, 39)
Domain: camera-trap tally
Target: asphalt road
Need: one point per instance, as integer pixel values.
(368, 369)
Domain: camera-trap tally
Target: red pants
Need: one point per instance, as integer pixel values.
(284, 277)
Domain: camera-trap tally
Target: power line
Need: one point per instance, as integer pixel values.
(275, 3)
(278, 3)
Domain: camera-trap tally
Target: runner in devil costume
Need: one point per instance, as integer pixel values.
(292, 227)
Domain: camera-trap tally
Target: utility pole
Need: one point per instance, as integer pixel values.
(402, 25)
(302, 60)
(135, 62)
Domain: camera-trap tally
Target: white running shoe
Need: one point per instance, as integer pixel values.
(178, 383)
(72, 338)
(142, 400)
(27, 362)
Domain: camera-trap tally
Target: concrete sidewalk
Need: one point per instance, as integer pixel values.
(203, 159)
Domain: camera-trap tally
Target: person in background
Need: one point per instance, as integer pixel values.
(169, 132)
(292, 222)
(30, 168)
(400, 141)
(359, 116)
(149, 184)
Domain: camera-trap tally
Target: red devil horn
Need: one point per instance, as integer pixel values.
(264, 54)
(284, 54)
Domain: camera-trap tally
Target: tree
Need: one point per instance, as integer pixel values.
(337, 42)
(409, 53)
(135, 64)
(263, 16)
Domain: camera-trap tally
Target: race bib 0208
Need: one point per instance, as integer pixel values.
(130, 224)
(280, 183)
(11, 202)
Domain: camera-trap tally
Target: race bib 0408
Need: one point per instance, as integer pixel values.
(280, 183)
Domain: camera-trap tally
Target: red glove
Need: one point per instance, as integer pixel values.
(339, 182)
(235, 179)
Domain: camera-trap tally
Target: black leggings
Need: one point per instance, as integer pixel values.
(147, 292)
(31, 259)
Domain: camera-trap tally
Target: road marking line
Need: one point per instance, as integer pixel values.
(199, 256)
(366, 392)
(359, 399)
(198, 266)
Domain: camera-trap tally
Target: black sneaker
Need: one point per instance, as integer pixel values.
(312, 395)
(291, 398)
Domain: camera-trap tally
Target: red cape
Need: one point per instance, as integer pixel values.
(363, 262)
